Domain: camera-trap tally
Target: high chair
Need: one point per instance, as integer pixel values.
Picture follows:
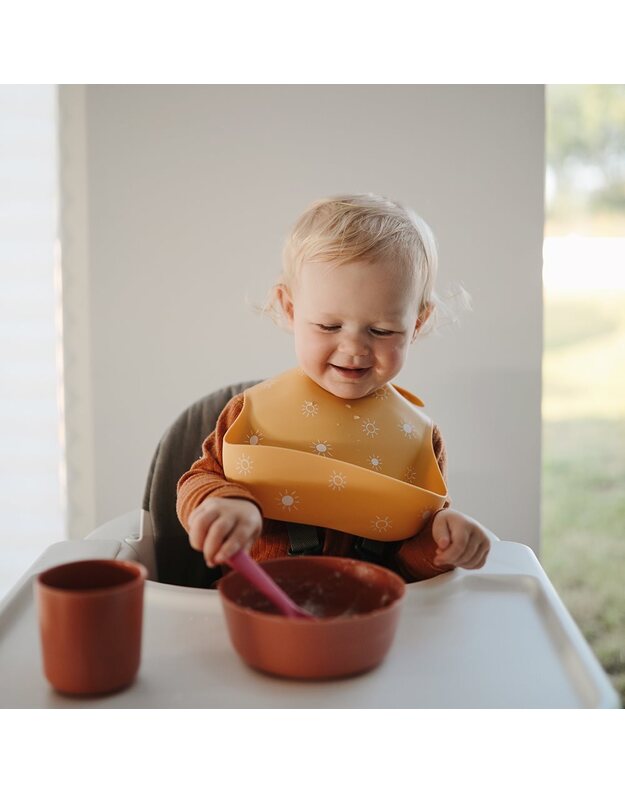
(478, 626)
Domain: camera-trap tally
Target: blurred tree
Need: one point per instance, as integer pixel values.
(585, 151)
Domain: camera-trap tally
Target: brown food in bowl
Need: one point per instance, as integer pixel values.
(357, 605)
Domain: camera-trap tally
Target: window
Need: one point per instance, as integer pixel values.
(31, 490)
(583, 500)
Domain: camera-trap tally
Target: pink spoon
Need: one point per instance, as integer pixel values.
(242, 563)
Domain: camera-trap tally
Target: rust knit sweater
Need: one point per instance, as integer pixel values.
(411, 558)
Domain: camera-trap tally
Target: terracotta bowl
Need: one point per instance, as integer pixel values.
(357, 605)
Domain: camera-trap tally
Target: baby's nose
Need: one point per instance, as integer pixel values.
(354, 344)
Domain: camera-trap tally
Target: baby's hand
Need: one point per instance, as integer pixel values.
(461, 541)
(219, 527)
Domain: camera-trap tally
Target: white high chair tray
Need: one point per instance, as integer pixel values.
(497, 637)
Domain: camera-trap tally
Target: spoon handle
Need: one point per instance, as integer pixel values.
(253, 572)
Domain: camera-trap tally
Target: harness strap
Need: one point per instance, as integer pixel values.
(303, 539)
(370, 550)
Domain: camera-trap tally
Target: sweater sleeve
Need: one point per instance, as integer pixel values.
(206, 476)
(414, 558)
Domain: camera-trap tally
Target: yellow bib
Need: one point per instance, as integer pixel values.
(366, 466)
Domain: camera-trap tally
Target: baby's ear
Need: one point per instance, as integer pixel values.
(422, 319)
(286, 302)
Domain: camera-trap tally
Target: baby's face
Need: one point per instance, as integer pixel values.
(352, 325)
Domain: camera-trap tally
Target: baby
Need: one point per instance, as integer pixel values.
(333, 458)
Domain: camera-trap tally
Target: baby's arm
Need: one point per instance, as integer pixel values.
(217, 514)
(449, 539)
(415, 556)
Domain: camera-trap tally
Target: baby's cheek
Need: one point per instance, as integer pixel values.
(401, 347)
(397, 356)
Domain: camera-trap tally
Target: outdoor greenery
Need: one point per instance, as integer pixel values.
(583, 513)
(583, 499)
(585, 146)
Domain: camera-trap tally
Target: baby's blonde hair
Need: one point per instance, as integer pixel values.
(361, 227)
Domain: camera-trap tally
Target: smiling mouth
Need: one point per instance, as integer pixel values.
(350, 372)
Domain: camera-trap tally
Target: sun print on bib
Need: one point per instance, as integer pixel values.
(381, 524)
(370, 428)
(244, 464)
(309, 408)
(289, 500)
(408, 429)
(254, 437)
(410, 475)
(322, 448)
(337, 481)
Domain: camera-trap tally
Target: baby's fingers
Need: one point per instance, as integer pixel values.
(440, 533)
(479, 558)
(468, 552)
(455, 552)
(219, 531)
(200, 522)
(240, 538)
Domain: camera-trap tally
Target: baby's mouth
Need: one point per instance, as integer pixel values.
(351, 372)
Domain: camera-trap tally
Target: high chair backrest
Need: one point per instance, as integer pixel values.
(180, 446)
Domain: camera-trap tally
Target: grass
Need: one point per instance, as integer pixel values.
(583, 499)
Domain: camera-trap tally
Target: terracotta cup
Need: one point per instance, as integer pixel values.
(90, 623)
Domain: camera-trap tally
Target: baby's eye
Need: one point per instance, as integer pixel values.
(328, 327)
(381, 332)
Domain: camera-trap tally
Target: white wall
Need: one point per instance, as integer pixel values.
(190, 191)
